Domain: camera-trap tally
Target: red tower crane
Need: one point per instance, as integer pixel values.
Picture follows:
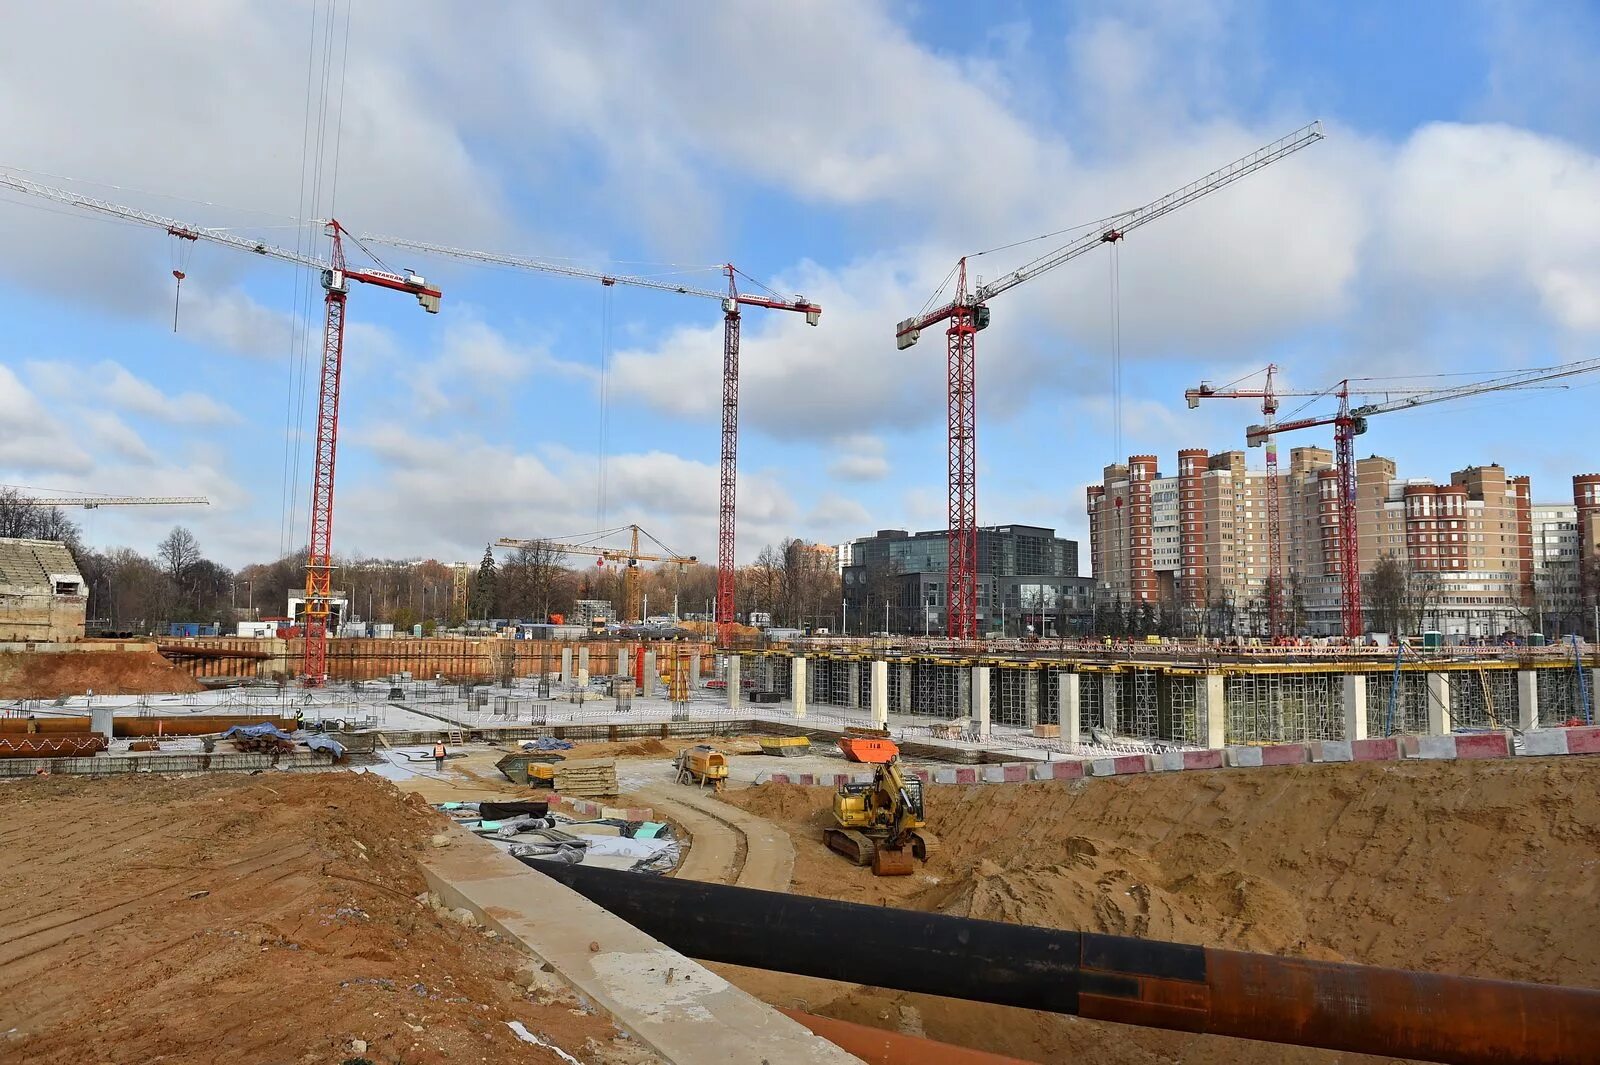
(1351, 422)
(731, 301)
(968, 312)
(336, 278)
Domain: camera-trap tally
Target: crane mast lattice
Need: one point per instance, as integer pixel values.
(336, 278)
(968, 313)
(732, 300)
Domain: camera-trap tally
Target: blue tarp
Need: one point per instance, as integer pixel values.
(313, 741)
(324, 743)
(255, 732)
(548, 743)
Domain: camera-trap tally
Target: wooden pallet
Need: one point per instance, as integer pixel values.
(587, 778)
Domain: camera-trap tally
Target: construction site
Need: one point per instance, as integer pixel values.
(1302, 766)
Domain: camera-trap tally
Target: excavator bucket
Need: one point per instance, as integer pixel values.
(892, 861)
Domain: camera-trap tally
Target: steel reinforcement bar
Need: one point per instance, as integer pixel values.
(1355, 1008)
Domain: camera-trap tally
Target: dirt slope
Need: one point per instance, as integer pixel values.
(248, 919)
(1484, 869)
(136, 671)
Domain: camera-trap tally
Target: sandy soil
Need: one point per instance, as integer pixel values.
(253, 919)
(140, 671)
(1478, 868)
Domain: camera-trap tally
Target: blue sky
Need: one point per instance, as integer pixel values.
(848, 151)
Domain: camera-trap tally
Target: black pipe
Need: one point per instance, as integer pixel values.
(1363, 1009)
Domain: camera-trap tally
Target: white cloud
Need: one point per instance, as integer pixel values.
(551, 493)
(475, 366)
(35, 439)
(1474, 210)
(860, 458)
(113, 385)
(114, 438)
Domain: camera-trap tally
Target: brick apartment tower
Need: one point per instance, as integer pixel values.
(1523, 488)
(1142, 471)
(1192, 525)
(1586, 499)
(1097, 498)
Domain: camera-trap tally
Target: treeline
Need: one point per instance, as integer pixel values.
(133, 592)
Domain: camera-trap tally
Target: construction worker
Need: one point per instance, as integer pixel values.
(438, 756)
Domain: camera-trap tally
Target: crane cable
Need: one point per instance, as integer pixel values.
(1116, 352)
(313, 157)
(605, 406)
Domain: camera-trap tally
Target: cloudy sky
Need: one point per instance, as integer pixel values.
(849, 151)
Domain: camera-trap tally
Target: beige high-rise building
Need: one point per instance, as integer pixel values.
(1199, 539)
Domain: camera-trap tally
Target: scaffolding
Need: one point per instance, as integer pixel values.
(1014, 697)
(1410, 709)
(940, 690)
(1482, 698)
(1559, 699)
(1184, 717)
(1092, 702)
(1050, 708)
(1143, 703)
(1284, 707)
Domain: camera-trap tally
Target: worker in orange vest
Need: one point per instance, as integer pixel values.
(438, 755)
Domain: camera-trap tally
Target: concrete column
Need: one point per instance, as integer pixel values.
(566, 665)
(852, 680)
(1108, 701)
(1527, 700)
(733, 682)
(694, 671)
(980, 700)
(650, 674)
(1030, 696)
(583, 664)
(880, 693)
(798, 683)
(1069, 710)
(964, 706)
(1439, 703)
(903, 705)
(1216, 712)
(1355, 706)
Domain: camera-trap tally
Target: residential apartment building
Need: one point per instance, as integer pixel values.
(1199, 539)
(1028, 582)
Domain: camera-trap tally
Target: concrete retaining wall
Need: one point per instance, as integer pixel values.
(1540, 742)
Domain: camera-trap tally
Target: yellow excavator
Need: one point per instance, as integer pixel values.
(881, 823)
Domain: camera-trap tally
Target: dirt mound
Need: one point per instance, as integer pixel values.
(1474, 868)
(136, 670)
(248, 919)
(792, 803)
(645, 749)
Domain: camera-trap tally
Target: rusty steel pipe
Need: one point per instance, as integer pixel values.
(51, 745)
(1355, 1008)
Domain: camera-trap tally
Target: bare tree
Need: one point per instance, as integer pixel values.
(178, 553)
(1386, 594)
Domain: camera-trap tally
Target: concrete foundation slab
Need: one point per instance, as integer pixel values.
(678, 1008)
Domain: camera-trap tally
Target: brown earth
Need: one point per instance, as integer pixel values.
(251, 919)
(134, 671)
(1475, 868)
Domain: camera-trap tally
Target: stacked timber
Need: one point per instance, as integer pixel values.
(587, 778)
